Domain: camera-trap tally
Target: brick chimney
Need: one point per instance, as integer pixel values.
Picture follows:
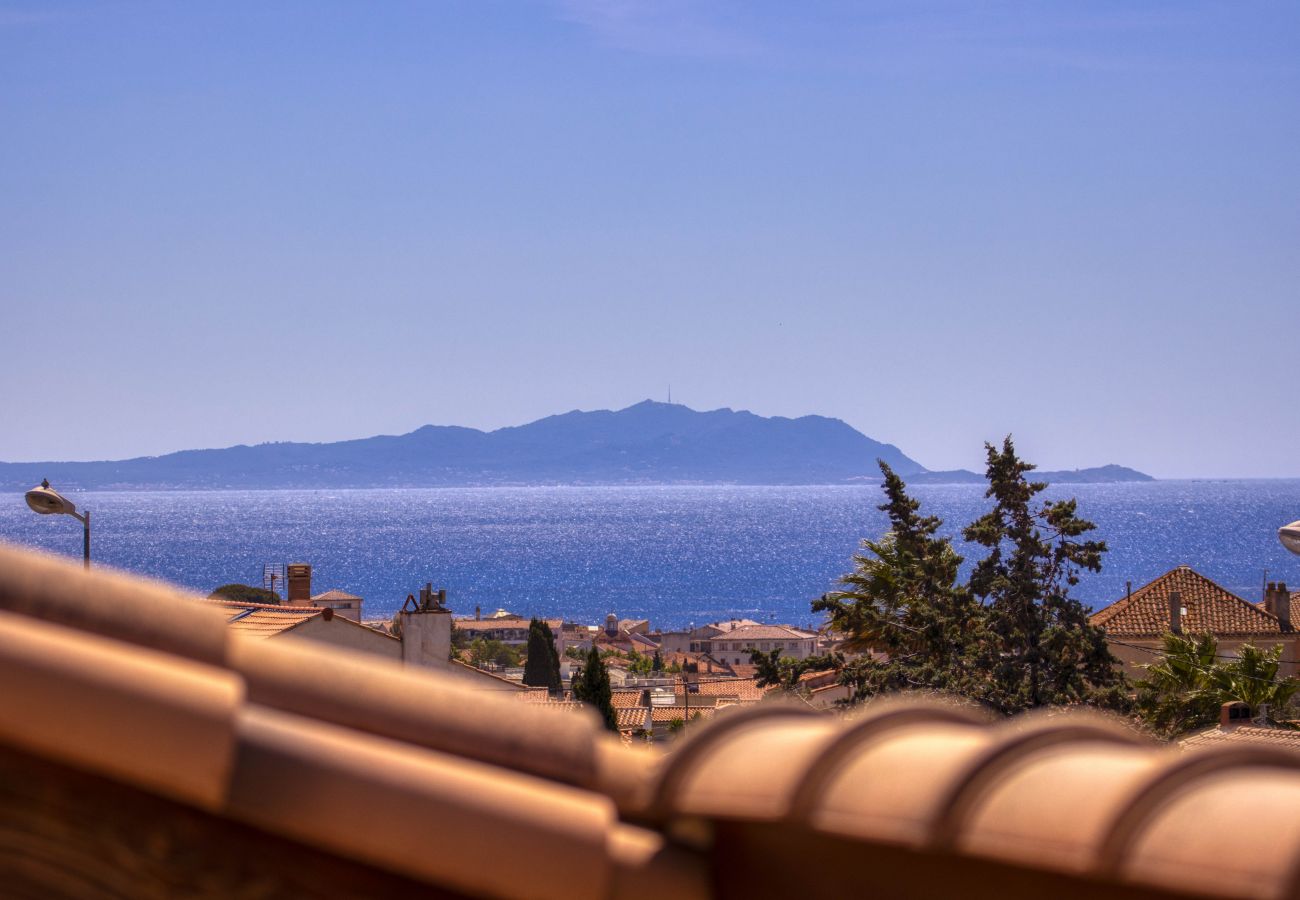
(298, 576)
(1234, 714)
(1277, 600)
(1175, 612)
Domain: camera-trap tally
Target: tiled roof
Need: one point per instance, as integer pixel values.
(635, 719)
(631, 718)
(746, 690)
(764, 633)
(626, 699)
(500, 624)
(1210, 608)
(1217, 737)
(336, 594)
(260, 620)
(410, 774)
(731, 624)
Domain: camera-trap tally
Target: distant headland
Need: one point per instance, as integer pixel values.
(647, 443)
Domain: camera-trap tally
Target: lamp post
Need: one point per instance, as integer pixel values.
(1289, 535)
(47, 501)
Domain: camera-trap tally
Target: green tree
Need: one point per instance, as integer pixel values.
(483, 652)
(1177, 695)
(639, 663)
(591, 685)
(657, 664)
(245, 593)
(785, 671)
(1037, 647)
(1253, 678)
(902, 606)
(1185, 688)
(542, 664)
(459, 636)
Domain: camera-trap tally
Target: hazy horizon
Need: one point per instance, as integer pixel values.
(941, 223)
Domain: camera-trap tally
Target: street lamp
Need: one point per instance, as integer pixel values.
(1289, 535)
(47, 501)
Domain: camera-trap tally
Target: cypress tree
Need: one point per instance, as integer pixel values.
(553, 682)
(1038, 648)
(537, 667)
(591, 685)
(657, 664)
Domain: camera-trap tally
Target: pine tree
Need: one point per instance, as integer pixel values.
(1037, 647)
(591, 686)
(903, 601)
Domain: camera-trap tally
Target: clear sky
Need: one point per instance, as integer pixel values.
(227, 222)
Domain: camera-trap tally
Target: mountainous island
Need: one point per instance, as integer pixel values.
(648, 443)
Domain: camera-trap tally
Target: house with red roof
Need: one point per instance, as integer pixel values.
(1183, 601)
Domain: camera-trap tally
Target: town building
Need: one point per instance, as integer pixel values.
(344, 604)
(1183, 601)
(298, 593)
(506, 627)
(307, 623)
(735, 644)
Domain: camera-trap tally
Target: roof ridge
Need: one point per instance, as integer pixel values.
(1208, 595)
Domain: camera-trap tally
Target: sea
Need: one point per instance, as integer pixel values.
(675, 555)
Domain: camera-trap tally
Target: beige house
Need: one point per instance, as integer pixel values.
(734, 646)
(308, 623)
(344, 604)
(1184, 601)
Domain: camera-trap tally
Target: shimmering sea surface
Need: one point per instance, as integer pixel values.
(672, 554)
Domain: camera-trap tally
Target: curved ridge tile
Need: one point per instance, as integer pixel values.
(1235, 832)
(1014, 744)
(735, 751)
(865, 782)
(1054, 807)
(892, 787)
(1223, 798)
(877, 723)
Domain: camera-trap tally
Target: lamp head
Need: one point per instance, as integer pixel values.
(47, 501)
(1289, 535)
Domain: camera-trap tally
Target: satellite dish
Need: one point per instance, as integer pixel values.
(1289, 535)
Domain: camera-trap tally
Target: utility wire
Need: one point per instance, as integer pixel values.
(1161, 653)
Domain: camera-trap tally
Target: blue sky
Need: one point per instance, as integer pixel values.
(939, 221)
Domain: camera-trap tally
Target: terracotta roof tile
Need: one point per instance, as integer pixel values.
(136, 684)
(336, 594)
(743, 689)
(1217, 736)
(262, 623)
(1210, 608)
(765, 633)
